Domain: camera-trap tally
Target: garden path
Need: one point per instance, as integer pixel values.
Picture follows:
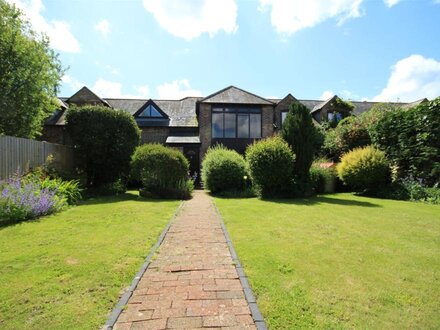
(193, 281)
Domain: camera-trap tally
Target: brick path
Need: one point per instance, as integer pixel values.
(192, 283)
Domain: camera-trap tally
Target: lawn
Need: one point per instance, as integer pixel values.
(340, 261)
(66, 271)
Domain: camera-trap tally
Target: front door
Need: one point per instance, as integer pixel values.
(192, 154)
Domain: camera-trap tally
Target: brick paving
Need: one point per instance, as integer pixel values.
(192, 283)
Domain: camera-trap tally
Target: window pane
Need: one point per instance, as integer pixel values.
(255, 125)
(217, 125)
(229, 125)
(217, 109)
(154, 112)
(243, 126)
(283, 116)
(330, 116)
(150, 111)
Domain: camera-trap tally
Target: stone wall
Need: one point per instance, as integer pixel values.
(204, 128)
(282, 106)
(54, 134)
(154, 134)
(267, 128)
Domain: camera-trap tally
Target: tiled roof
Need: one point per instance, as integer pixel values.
(182, 113)
(235, 95)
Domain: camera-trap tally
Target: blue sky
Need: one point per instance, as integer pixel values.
(384, 50)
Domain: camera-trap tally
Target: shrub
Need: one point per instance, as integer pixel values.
(69, 190)
(270, 164)
(223, 170)
(411, 140)
(163, 171)
(351, 132)
(364, 169)
(323, 178)
(410, 190)
(104, 140)
(21, 200)
(304, 138)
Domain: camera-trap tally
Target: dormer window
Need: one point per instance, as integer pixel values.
(150, 111)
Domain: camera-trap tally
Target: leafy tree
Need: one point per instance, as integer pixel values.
(411, 140)
(352, 132)
(29, 75)
(104, 140)
(303, 137)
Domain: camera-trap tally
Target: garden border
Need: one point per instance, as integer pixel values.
(250, 298)
(122, 302)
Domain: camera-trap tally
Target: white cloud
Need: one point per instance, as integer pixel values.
(391, 3)
(142, 91)
(290, 16)
(326, 95)
(412, 78)
(188, 19)
(103, 27)
(74, 84)
(177, 89)
(112, 89)
(61, 38)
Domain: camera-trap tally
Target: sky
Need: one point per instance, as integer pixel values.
(373, 50)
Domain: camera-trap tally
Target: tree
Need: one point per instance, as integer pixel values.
(29, 75)
(411, 140)
(303, 137)
(104, 140)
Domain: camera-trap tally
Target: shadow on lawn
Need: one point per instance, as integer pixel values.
(128, 196)
(321, 200)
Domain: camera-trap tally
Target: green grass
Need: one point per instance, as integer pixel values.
(66, 271)
(340, 261)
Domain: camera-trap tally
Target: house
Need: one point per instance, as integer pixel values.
(232, 116)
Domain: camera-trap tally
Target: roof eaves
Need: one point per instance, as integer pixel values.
(266, 101)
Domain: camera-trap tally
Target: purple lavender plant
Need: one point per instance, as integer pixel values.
(20, 200)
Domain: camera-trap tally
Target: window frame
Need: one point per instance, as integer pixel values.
(149, 108)
(237, 110)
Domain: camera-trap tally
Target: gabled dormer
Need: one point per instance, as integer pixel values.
(281, 110)
(86, 96)
(150, 114)
(235, 95)
(332, 110)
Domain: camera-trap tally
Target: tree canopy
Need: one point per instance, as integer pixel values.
(104, 140)
(303, 137)
(30, 72)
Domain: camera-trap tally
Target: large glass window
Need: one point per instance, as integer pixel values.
(236, 122)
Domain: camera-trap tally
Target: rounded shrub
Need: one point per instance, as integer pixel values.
(223, 170)
(163, 171)
(364, 169)
(271, 164)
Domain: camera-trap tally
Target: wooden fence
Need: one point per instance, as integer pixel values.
(20, 155)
